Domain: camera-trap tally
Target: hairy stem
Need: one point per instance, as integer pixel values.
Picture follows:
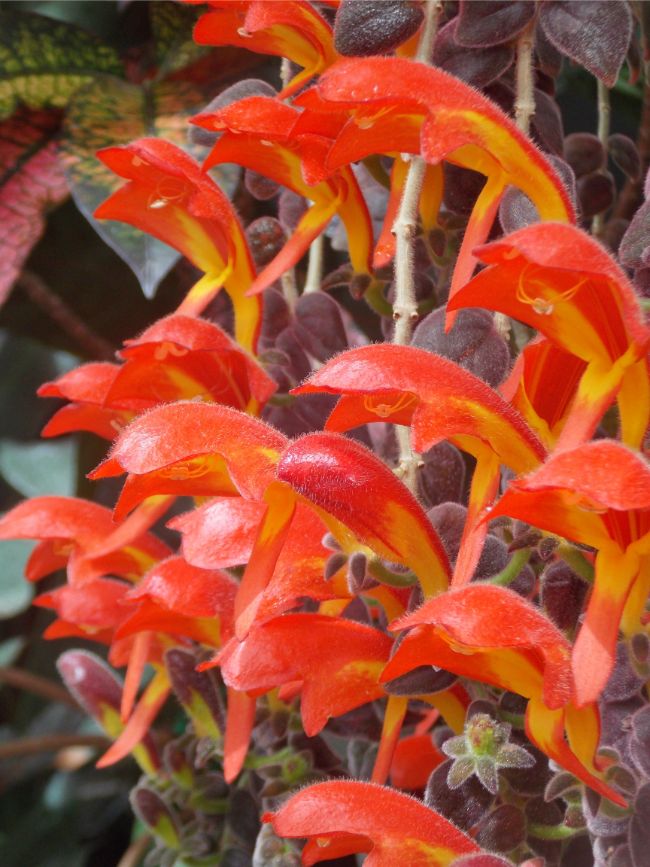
(405, 228)
(603, 136)
(315, 266)
(525, 92)
(55, 307)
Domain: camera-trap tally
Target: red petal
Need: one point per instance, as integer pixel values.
(394, 827)
(346, 481)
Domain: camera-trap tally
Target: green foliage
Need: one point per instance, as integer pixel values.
(43, 62)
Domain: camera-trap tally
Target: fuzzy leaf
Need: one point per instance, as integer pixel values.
(43, 62)
(492, 22)
(113, 112)
(594, 33)
(31, 182)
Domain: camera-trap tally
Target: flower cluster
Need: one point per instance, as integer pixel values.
(407, 615)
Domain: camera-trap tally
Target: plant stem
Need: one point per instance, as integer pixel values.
(404, 228)
(574, 558)
(525, 93)
(55, 307)
(135, 852)
(37, 685)
(507, 575)
(49, 744)
(604, 112)
(315, 266)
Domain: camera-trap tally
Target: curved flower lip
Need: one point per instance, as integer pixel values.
(341, 817)
(597, 494)
(158, 449)
(476, 620)
(168, 196)
(338, 662)
(180, 341)
(346, 481)
(567, 286)
(293, 30)
(542, 385)
(75, 532)
(438, 398)
(260, 138)
(458, 123)
(585, 483)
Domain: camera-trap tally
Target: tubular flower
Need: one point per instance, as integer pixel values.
(222, 533)
(177, 357)
(491, 634)
(293, 30)
(341, 817)
(168, 196)
(86, 387)
(560, 281)
(542, 386)
(400, 106)
(336, 662)
(203, 450)
(259, 136)
(439, 400)
(598, 495)
(81, 536)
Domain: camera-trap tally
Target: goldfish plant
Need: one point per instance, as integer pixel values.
(371, 542)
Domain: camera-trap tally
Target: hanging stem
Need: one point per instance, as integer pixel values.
(604, 112)
(525, 93)
(315, 266)
(405, 310)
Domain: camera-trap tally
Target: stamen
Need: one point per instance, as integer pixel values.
(384, 410)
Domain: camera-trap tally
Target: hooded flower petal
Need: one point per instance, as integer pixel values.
(259, 137)
(400, 106)
(168, 196)
(196, 449)
(77, 532)
(562, 282)
(491, 634)
(348, 484)
(599, 495)
(293, 30)
(338, 662)
(439, 400)
(341, 817)
(182, 357)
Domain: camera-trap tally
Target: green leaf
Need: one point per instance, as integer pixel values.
(172, 26)
(15, 593)
(43, 62)
(115, 112)
(37, 468)
(31, 182)
(11, 649)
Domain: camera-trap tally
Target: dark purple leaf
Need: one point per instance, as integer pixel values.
(319, 325)
(473, 342)
(624, 682)
(259, 186)
(595, 193)
(548, 57)
(594, 33)
(546, 123)
(563, 594)
(266, 237)
(502, 830)
(584, 153)
(625, 154)
(366, 27)
(491, 22)
(442, 478)
(476, 67)
(640, 740)
(639, 828)
(634, 251)
(464, 806)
